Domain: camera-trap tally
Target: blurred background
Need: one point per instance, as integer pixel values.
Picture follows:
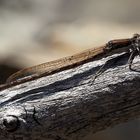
(37, 31)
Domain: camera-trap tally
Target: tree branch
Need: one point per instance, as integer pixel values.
(71, 104)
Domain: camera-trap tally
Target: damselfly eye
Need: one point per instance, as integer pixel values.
(136, 36)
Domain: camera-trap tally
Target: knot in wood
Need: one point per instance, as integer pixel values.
(11, 123)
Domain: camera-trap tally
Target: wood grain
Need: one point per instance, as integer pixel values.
(69, 105)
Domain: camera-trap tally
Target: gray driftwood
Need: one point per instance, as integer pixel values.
(70, 105)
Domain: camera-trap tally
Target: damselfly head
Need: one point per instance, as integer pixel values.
(136, 39)
(136, 43)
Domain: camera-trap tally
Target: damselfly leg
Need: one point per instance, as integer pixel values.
(134, 44)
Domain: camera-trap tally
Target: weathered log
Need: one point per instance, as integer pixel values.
(70, 104)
